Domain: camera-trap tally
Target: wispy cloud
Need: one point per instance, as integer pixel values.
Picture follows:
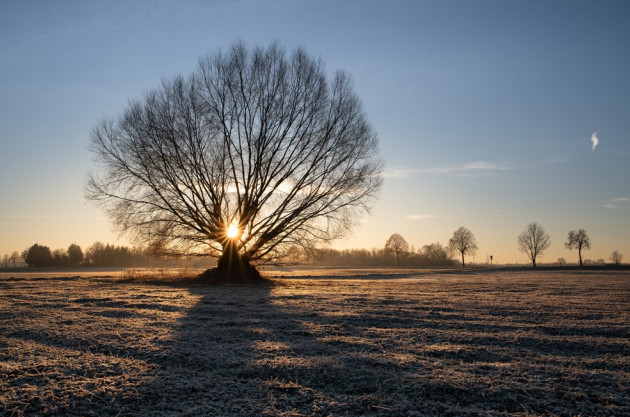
(479, 166)
(595, 140)
(419, 216)
(36, 217)
(467, 169)
(615, 203)
(400, 172)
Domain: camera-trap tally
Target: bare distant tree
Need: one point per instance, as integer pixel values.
(253, 153)
(15, 258)
(397, 245)
(616, 257)
(59, 257)
(464, 242)
(578, 240)
(533, 241)
(436, 254)
(6, 260)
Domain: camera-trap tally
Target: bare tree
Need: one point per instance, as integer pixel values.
(533, 241)
(578, 240)
(616, 257)
(252, 154)
(436, 254)
(464, 242)
(15, 258)
(397, 245)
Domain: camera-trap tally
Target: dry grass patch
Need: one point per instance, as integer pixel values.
(482, 344)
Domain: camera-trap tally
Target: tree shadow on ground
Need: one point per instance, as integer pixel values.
(285, 350)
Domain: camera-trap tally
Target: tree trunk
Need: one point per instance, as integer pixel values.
(463, 264)
(534, 262)
(233, 268)
(580, 254)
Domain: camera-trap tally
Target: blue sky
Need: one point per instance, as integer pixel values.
(484, 109)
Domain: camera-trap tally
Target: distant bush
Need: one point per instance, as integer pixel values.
(39, 256)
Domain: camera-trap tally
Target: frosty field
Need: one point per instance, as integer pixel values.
(320, 343)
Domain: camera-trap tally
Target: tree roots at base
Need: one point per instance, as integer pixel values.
(233, 269)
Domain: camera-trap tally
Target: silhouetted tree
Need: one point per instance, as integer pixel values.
(464, 242)
(397, 245)
(578, 240)
(100, 254)
(436, 254)
(533, 241)
(60, 257)
(5, 260)
(75, 254)
(38, 255)
(254, 153)
(15, 258)
(616, 257)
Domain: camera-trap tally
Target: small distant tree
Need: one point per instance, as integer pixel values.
(436, 254)
(397, 245)
(75, 254)
(38, 255)
(578, 240)
(533, 241)
(5, 260)
(616, 257)
(15, 258)
(562, 261)
(59, 257)
(464, 242)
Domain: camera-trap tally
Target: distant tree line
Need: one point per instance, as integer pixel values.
(98, 254)
(430, 255)
(533, 241)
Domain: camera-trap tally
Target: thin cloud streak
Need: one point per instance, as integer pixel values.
(616, 203)
(419, 216)
(468, 169)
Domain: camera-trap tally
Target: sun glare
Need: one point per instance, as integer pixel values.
(232, 231)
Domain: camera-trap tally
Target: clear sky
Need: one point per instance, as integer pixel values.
(485, 110)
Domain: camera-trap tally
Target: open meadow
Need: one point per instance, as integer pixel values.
(318, 343)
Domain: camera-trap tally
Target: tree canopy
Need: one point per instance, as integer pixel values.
(578, 239)
(533, 241)
(464, 242)
(38, 255)
(397, 245)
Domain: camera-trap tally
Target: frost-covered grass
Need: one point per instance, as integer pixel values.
(528, 343)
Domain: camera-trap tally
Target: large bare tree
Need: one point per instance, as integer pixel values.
(464, 242)
(397, 245)
(256, 152)
(578, 240)
(533, 241)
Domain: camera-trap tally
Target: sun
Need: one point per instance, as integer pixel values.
(232, 231)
